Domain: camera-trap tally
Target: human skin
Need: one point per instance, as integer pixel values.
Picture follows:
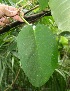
(7, 12)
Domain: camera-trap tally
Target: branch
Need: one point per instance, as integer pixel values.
(30, 19)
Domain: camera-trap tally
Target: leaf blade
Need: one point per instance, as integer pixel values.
(38, 59)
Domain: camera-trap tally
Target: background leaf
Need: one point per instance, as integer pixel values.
(38, 53)
(43, 3)
(60, 11)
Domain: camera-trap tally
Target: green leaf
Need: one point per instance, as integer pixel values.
(61, 13)
(63, 40)
(43, 4)
(38, 53)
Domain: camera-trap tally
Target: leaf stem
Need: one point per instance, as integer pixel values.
(21, 12)
(24, 19)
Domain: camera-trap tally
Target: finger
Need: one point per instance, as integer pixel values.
(1, 13)
(11, 8)
(8, 10)
(2, 24)
(17, 17)
(5, 20)
(2, 19)
(10, 13)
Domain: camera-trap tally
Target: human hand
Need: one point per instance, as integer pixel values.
(9, 11)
